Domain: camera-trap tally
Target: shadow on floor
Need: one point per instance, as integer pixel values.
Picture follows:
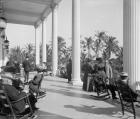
(44, 115)
(47, 115)
(68, 93)
(75, 94)
(94, 109)
(67, 87)
(54, 80)
(109, 111)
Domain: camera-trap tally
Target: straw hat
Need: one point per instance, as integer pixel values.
(124, 74)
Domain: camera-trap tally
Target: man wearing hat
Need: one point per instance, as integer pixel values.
(123, 83)
(26, 66)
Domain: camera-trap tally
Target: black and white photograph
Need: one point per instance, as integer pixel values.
(69, 59)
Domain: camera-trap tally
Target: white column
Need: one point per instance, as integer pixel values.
(76, 42)
(1, 50)
(3, 47)
(44, 39)
(5, 53)
(131, 37)
(37, 46)
(5, 57)
(54, 40)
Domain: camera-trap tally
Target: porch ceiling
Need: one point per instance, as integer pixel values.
(28, 12)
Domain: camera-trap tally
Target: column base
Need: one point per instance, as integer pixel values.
(77, 83)
(138, 86)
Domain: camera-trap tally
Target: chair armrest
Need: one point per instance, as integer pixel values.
(24, 97)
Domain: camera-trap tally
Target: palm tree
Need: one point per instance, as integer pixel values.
(117, 63)
(61, 50)
(61, 43)
(15, 54)
(111, 46)
(119, 55)
(23, 55)
(99, 43)
(105, 55)
(49, 56)
(89, 41)
(86, 47)
(30, 52)
(29, 48)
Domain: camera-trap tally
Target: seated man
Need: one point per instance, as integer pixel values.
(123, 84)
(14, 95)
(35, 84)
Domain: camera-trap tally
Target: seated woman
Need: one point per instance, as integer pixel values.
(35, 84)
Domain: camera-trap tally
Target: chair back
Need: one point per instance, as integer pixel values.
(6, 106)
(125, 92)
(126, 98)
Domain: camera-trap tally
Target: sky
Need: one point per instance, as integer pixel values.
(95, 15)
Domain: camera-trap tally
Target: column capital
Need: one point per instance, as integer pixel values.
(43, 19)
(35, 26)
(53, 5)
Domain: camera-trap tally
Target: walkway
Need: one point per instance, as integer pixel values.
(64, 101)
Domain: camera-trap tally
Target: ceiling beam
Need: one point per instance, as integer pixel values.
(15, 21)
(19, 12)
(48, 2)
(45, 13)
(42, 2)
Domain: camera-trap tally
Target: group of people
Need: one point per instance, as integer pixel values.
(15, 88)
(15, 67)
(102, 75)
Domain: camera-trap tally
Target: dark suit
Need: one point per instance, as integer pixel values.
(15, 95)
(26, 66)
(126, 90)
(69, 70)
